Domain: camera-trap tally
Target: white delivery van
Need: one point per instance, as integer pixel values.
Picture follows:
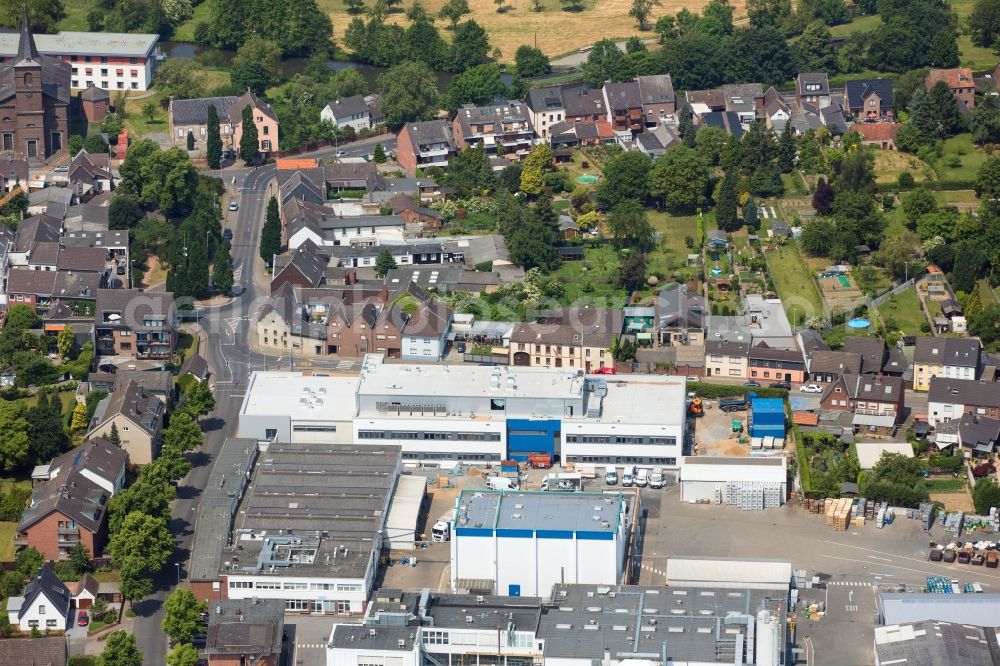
(656, 478)
(501, 483)
(610, 475)
(628, 474)
(642, 478)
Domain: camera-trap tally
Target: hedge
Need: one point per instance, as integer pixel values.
(710, 391)
(805, 480)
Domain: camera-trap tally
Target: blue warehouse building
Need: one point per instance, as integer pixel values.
(767, 417)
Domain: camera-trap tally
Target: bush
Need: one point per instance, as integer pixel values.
(709, 391)
(905, 180)
(484, 266)
(946, 463)
(984, 469)
(12, 504)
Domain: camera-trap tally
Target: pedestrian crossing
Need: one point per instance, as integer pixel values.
(850, 583)
(650, 569)
(310, 646)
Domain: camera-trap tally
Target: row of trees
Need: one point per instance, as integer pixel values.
(299, 28)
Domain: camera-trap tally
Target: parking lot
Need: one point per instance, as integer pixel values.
(851, 565)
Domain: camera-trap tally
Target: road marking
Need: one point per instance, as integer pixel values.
(884, 559)
(910, 568)
(851, 608)
(901, 557)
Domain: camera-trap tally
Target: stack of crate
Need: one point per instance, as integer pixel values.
(838, 514)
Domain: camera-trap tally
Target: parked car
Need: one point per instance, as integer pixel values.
(460, 347)
(752, 384)
(781, 385)
(234, 205)
(341, 153)
(607, 370)
(108, 368)
(811, 388)
(82, 618)
(227, 234)
(120, 270)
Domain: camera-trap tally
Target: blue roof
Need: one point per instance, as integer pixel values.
(768, 405)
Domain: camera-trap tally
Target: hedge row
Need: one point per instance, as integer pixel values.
(711, 391)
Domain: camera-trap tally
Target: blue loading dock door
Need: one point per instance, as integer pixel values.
(526, 436)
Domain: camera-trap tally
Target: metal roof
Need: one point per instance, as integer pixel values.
(711, 573)
(901, 607)
(702, 468)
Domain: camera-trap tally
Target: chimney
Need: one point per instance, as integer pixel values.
(384, 295)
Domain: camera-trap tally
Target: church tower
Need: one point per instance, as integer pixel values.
(30, 104)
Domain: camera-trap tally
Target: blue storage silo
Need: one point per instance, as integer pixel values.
(767, 417)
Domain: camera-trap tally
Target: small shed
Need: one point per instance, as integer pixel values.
(767, 417)
(570, 253)
(870, 452)
(717, 239)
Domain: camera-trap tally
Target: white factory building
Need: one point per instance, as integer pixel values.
(523, 543)
(570, 625)
(750, 483)
(469, 413)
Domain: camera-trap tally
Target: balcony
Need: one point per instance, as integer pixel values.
(433, 152)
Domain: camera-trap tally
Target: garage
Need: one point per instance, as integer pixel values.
(751, 483)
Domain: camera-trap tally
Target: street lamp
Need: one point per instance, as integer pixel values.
(178, 565)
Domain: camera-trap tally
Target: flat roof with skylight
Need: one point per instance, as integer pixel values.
(540, 511)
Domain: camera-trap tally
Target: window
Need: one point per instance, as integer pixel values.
(104, 71)
(267, 130)
(104, 60)
(296, 586)
(120, 72)
(435, 637)
(133, 60)
(240, 585)
(134, 73)
(50, 623)
(348, 587)
(266, 144)
(41, 609)
(135, 86)
(296, 605)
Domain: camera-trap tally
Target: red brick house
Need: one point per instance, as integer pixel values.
(875, 401)
(430, 143)
(959, 79)
(416, 217)
(880, 135)
(70, 499)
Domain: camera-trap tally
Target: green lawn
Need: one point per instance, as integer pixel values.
(671, 254)
(955, 485)
(66, 398)
(185, 31)
(860, 24)
(594, 277)
(795, 284)
(187, 345)
(76, 15)
(971, 158)
(7, 531)
(903, 309)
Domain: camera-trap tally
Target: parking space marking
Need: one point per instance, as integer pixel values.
(901, 557)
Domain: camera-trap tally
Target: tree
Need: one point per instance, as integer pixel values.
(469, 47)
(190, 140)
(760, 54)
(213, 139)
(988, 179)
(409, 93)
(199, 401)
(182, 615)
(222, 268)
(42, 14)
(140, 548)
(264, 53)
(423, 42)
(249, 141)
(823, 197)
(750, 216)
(916, 204)
(124, 212)
(354, 6)
(632, 274)
(625, 177)
(531, 62)
(478, 85)
(641, 9)
(710, 141)
(630, 227)
(469, 172)
(532, 182)
(164, 179)
(769, 13)
(79, 422)
(183, 434)
(726, 216)
(384, 263)
(75, 144)
(985, 496)
(685, 126)
(120, 649)
(179, 78)
(378, 155)
(65, 341)
(270, 233)
(605, 62)
(182, 654)
(113, 436)
(984, 23)
(46, 436)
(95, 144)
(813, 50)
(679, 178)
(79, 558)
(13, 436)
(985, 324)
(985, 120)
(786, 149)
(148, 495)
(149, 111)
(453, 11)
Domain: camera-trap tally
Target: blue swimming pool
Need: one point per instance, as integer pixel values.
(859, 323)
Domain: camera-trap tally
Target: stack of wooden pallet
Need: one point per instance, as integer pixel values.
(838, 514)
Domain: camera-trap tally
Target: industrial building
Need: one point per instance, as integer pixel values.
(750, 483)
(931, 643)
(522, 543)
(306, 524)
(573, 625)
(471, 413)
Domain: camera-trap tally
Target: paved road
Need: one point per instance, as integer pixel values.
(226, 328)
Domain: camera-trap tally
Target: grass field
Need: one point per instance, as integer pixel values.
(555, 31)
(970, 156)
(66, 398)
(596, 277)
(7, 531)
(903, 309)
(672, 254)
(946, 485)
(890, 163)
(138, 124)
(795, 284)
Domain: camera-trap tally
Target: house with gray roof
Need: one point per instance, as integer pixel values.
(43, 651)
(45, 604)
(948, 399)
(190, 116)
(659, 102)
(138, 417)
(425, 144)
(813, 88)
(245, 631)
(350, 111)
(624, 106)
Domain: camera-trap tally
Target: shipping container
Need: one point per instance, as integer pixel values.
(540, 460)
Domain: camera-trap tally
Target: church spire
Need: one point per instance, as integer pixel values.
(26, 49)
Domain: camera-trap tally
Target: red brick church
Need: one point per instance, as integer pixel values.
(34, 101)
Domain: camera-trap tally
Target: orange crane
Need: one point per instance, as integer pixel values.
(59, 158)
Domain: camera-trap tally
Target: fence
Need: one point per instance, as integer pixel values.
(899, 288)
(491, 359)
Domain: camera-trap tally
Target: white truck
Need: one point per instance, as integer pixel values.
(656, 478)
(441, 531)
(628, 476)
(566, 482)
(501, 483)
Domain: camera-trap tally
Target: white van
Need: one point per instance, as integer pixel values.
(441, 530)
(501, 483)
(642, 478)
(656, 478)
(610, 475)
(628, 474)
